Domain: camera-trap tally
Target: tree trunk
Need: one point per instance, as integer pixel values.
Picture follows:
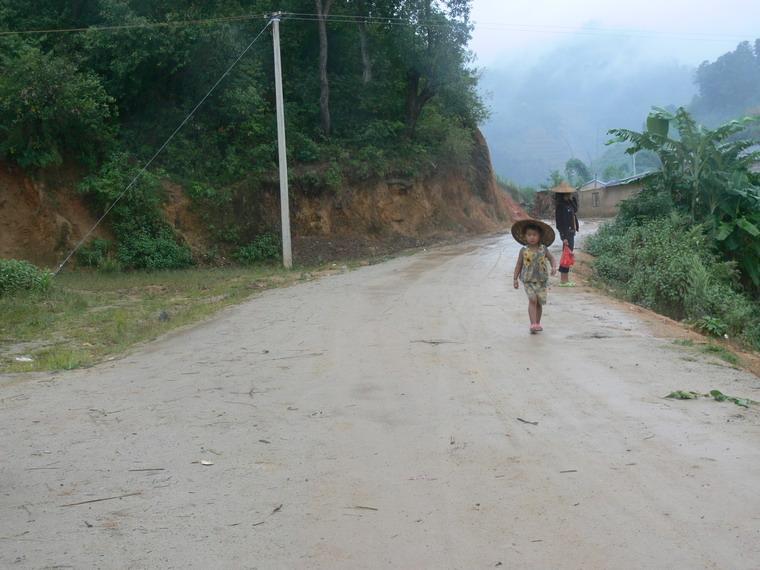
(323, 10)
(366, 60)
(415, 100)
(363, 11)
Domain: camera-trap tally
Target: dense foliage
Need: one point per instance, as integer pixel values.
(22, 276)
(264, 248)
(365, 96)
(664, 262)
(689, 245)
(709, 175)
(729, 87)
(145, 239)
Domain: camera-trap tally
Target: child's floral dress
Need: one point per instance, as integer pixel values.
(535, 273)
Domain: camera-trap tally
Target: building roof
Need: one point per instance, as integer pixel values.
(596, 184)
(631, 179)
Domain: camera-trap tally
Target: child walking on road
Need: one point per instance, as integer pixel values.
(532, 267)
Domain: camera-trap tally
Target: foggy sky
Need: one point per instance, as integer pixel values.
(687, 31)
(558, 74)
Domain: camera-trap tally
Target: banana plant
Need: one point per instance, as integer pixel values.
(709, 174)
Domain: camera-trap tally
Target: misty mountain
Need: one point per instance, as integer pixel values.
(563, 104)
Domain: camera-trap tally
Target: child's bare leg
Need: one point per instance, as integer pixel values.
(532, 310)
(564, 277)
(539, 312)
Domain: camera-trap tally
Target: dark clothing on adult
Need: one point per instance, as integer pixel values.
(566, 219)
(567, 222)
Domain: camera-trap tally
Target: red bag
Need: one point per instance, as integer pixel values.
(568, 257)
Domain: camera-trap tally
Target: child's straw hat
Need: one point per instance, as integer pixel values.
(547, 232)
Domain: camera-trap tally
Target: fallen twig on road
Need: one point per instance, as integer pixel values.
(309, 355)
(527, 422)
(277, 509)
(103, 499)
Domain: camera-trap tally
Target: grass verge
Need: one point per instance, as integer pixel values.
(87, 316)
(730, 351)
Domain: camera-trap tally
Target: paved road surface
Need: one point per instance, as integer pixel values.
(370, 420)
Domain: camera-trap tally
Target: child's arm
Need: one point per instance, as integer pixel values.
(518, 269)
(553, 261)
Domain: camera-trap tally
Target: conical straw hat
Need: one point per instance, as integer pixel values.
(563, 188)
(547, 232)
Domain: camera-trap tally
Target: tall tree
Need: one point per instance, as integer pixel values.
(729, 87)
(577, 172)
(323, 11)
(363, 10)
(434, 51)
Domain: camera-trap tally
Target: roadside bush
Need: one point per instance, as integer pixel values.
(667, 265)
(18, 275)
(110, 265)
(143, 238)
(650, 204)
(265, 247)
(94, 253)
(144, 249)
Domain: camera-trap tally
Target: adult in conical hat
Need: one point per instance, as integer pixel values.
(566, 218)
(563, 188)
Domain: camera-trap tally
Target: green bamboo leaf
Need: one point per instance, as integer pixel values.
(724, 230)
(658, 125)
(748, 227)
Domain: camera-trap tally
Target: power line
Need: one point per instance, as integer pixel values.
(400, 21)
(526, 28)
(169, 24)
(161, 148)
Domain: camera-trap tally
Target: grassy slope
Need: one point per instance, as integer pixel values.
(87, 317)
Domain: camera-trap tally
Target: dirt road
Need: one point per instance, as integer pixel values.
(397, 416)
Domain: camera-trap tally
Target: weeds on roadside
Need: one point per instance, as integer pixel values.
(716, 395)
(668, 265)
(86, 316)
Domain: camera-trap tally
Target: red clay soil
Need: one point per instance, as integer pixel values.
(41, 219)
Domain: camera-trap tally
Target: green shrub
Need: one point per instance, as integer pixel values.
(18, 275)
(110, 265)
(143, 238)
(143, 249)
(650, 204)
(668, 265)
(94, 253)
(707, 174)
(712, 326)
(265, 247)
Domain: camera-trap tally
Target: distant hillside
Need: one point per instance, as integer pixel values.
(729, 87)
(563, 106)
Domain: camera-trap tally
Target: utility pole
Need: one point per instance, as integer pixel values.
(287, 252)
